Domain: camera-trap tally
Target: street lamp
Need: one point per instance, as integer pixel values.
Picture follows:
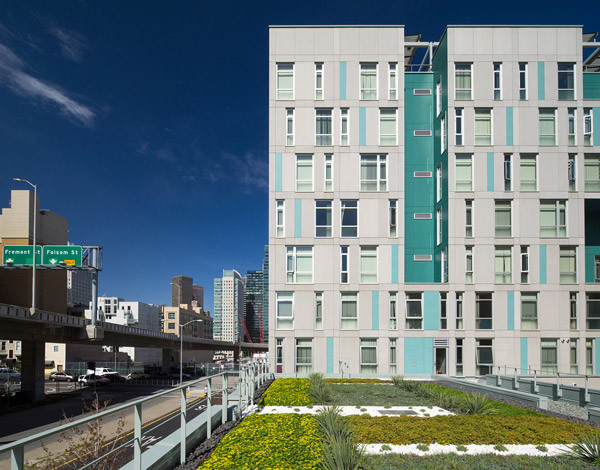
(181, 347)
(179, 297)
(34, 238)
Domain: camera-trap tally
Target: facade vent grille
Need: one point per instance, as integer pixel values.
(440, 342)
(422, 91)
(422, 133)
(422, 215)
(422, 174)
(422, 257)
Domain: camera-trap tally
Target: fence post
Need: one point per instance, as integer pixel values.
(17, 458)
(137, 435)
(224, 398)
(535, 386)
(586, 396)
(252, 385)
(209, 409)
(183, 438)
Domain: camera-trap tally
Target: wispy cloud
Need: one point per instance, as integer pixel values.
(250, 170)
(72, 44)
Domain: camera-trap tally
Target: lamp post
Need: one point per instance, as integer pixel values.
(181, 347)
(34, 238)
(179, 296)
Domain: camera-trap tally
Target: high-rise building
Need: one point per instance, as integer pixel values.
(181, 291)
(434, 206)
(265, 309)
(253, 314)
(198, 295)
(229, 307)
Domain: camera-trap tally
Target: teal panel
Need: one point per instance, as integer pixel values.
(342, 80)
(278, 172)
(590, 255)
(596, 362)
(542, 264)
(394, 264)
(418, 356)
(329, 355)
(418, 271)
(596, 130)
(362, 126)
(490, 171)
(375, 310)
(431, 310)
(298, 218)
(541, 81)
(524, 362)
(510, 310)
(591, 86)
(509, 125)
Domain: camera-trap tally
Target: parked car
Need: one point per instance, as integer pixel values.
(137, 375)
(89, 379)
(9, 375)
(176, 376)
(114, 377)
(62, 376)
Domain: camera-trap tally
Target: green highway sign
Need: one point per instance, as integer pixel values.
(22, 255)
(57, 255)
(19, 255)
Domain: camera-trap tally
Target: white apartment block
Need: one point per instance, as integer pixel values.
(434, 207)
(228, 307)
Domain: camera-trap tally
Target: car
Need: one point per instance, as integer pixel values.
(90, 379)
(176, 376)
(114, 377)
(137, 375)
(9, 375)
(62, 376)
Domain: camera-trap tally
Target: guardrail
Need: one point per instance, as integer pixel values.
(250, 378)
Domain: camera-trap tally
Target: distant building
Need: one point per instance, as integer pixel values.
(253, 300)
(265, 302)
(181, 290)
(200, 325)
(229, 307)
(197, 296)
(79, 288)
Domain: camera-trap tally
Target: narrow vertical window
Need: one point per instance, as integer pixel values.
(444, 265)
(483, 126)
(468, 265)
(393, 356)
(349, 218)
(443, 133)
(344, 127)
(528, 173)
(549, 356)
(459, 311)
(497, 80)
(438, 221)
(503, 218)
(318, 81)
(503, 264)
(368, 264)
(438, 96)
(458, 126)
(387, 127)
(304, 356)
(343, 264)
(289, 126)
(393, 310)
(279, 355)
(529, 311)
(547, 125)
(572, 129)
(572, 172)
(522, 80)
(349, 309)
(368, 81)
(393, 81)
(438, 183)
(464, 173)
(280, 218)
(329, 172)
(589, 356)
(443, 311)
(414, 311)
(524, 264)
(508, 173)
(566, 81)
(393, 217)
(318, 310)
(459, 356)
(285, 81)
(323, 127)
(573, 311)
(587, 126)
(368, 356)
(573, 353)
(304, 173)
(483, 311)
(462, 82)
(568, 264)
(484, 356)
(468, 218)
(323, 219)
(285, 310)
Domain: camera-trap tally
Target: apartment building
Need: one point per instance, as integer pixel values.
(229, 307)
(434, 207)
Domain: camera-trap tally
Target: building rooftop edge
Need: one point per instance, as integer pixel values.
(337, 26)
(515, 26)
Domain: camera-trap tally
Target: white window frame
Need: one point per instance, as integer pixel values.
(589, 355)
(460, 322)
(282, 91)
(530, 322)
(574, 355)
(570, 92)
(572, 171)
(393, 218)
(367, 253)
(438, 96)
(479, 319)
(280, 210)
(503, 273)
(438, 181)
(469, 213)
(362, 92)
(572, 126)
(444, 265)
(380, 182)
(325, 139)
(289, 119)
(573, 310)
(279, 355)
(281, 321)
(497, 84)
(549, 344)
(443, 310)
(469, 266)
(547, 112)
(484, 368)
(319, 73)
(464, 160)
(350, 297)
(567, 253)
(416, 320)
(325, 205)
(293, 252)
(501, 204)
(459, 127)
(560, 205)
(393, 79)
(460, 356)
(393, 355)
(393, 138)
(523, 76)
(306, 366)
(367, 343)
(483, 112)
(303, 185)
(591, 161)
(438, 223)
(318, 310)
(342, 226)
(393, 311)
(524, 258)
(588, 127)
(525, 185)
(344, 119)
(508, 172)
(456, 89)
(443, 134)
(344, 257)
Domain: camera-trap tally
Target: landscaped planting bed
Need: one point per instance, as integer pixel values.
(358, 381)
(375, 395)
(287, 392)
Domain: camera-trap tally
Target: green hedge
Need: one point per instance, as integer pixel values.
(287, 392)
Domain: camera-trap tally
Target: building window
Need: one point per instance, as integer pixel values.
(414, 311)
(503, 264)
(529, 311)
(568, 265)
(280, 218)
(323, 130)
(573, 311)
(468, 218)
(285, 81)
(393, 81)
(497, 80)
(289, 126)
(444, 265)
(547, 126)
(522, 80)
(387, 127)
(171, 316)
(279, 355)
(318, 310)
(528, 173)
(319, 81)
(349, 218)
(344, 127)
(572, 139)
(368, 81)
(438, 222)
(443, 310)
(55, 348)
(438, 183)
(566, 81)
(299, 264)
(591, 167)
(368, 264)
(438, 96)
(484, 356)
(349, 310)
(444, 133)
(373, 172)
(572, 172)
(596, 268)
(368, 356)
(393, 311)
(393, 217)
(503, 218)
(589, 356)
(553, 218)
(285, 309)
(524, 264)
(393, 356)
(459, 356)
(468, 265)
(588, 128)
(464, 173)
(328, 172)
(483, 126)
(171, 326)
(304, 173)
(323, 218)
(344, 264)
(549, 356)
(483, 311)
(459, 311)
(574, 352)
(463, 87)
(304, 356)
(508, 172)
(592, 311)
(459, 126)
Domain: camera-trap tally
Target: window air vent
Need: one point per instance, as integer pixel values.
(422, 257)
(422, 174)
(440, 342)
(422, 215)
(422, 133)
(422, 91)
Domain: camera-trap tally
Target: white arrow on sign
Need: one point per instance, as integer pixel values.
(10, 260)
(53, 261)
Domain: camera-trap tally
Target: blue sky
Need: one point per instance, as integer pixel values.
(145, 123)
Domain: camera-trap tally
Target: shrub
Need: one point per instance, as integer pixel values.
(340, 450)
(287, 392)
(385, 447)
(461, 448)
(319, 390)
(423, 447)
(587, 447)
(500, 448)
(477, 405)
(542, 448)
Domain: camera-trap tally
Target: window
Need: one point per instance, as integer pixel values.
(318, 310)
(438, 222)
(574, 352)
(459, 126)
(438, 183)
(459, 356)
(459, 311)
(572, 139)
(503, 264)
(438, 96)
(547, 126)
(289, 126)
(483, 126)
(323, 218)
(468, 265)
(414, 311)
(387, 127)
(553, 219)
(368, 356)
(279, 355)
(344, 127)
(483, 311)
(304, 173)
(508, 173)
(464, 173)
(373, 172)
(368, 81)
(587, 126)
(349, 311)
(349, 218)
(393, 356)
(572, 172)
(497, 80)
(468, 218)
(484, 356)
(462, 81)
(444, 133)
(368, 264)
(444, 265)
(503, 218)
(593, 311)
(328, 172)
(55, 347)
(304, 356)
(344, 264)
(299, 264)
(443, 310)
(591, 167)
(528, 172)
(522, 80)
(171, 326)
(319, 81)
(393, 217)
(529, 311)
(589, 356)
(566, 81)
(573, 311)
(285, 309)
(171, 316)
(393, 81)
(285, 81)
(549, 356)
(393, 311)
(524, 264)
(323, 129)
(280, 217)
(568, 265)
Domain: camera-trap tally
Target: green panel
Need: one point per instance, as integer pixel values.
(417, 271)
(524, 362)
(394, 264)
(596, 129)
(375, 310)
(542, 264)
(431, 310)
(330, 355)
(298, 218)
(418, 356)
(591, 86)
(342, 80)
(590, 255)
(509, 125)
(541, 81)
(490, 171)
(278, 172)
(510, 310)
(362, 126)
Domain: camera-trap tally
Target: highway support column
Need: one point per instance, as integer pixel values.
(32, 369)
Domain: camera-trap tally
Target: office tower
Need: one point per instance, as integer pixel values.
(198, 295)
(253, 294)
(229, 307)
(181, 291)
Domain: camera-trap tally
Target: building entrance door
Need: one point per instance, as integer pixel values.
(440, 355)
